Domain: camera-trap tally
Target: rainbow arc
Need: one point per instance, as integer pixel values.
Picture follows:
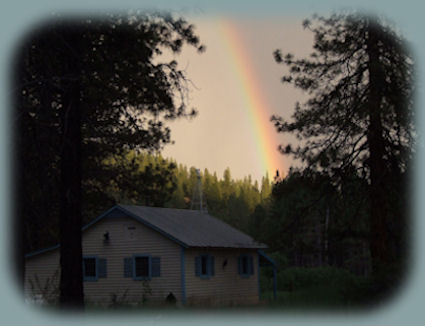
(258, 109)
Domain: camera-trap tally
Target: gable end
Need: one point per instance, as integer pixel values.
(115, 212)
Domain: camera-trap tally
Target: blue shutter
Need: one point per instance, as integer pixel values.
(240, 265)
(101, 267)
(156, 267)
(212, 267)
(250, 265)
(198, 266)
(128, 267)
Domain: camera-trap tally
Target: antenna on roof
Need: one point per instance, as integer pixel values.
(197, 201)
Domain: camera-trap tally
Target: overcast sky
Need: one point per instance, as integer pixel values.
(222, 135)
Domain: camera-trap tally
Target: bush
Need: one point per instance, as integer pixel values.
(318, 287)
(280, 259)
(296, 278)
(266, 279)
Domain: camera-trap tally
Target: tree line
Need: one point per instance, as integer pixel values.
(175, 185)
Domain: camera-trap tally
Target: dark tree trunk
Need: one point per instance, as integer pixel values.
(20, 200)
(71, 285)
(17, 225)
(18, 222)
(379, 243)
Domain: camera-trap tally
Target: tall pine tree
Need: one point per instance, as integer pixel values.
(85, 90)
(359, 116)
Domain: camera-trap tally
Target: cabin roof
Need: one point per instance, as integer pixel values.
(194, 228)
(188, 228)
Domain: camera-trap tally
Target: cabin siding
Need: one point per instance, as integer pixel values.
(42, 275)
(226, 286)
(123, 242)
(156, 233)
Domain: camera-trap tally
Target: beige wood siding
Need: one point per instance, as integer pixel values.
(123, 242)
(226, 287)
(42, 275)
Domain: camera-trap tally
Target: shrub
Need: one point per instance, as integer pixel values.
(296, 278)
(318, 287)
(47, 293)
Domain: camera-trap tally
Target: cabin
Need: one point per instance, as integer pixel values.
(135, 254)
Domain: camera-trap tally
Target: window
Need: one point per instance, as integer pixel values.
(204, 266)
(245, 265)
(142, 267)
(89, 269)
(93, 268)
(244, 262)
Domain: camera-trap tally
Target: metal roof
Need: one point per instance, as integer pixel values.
(188, 228)
(191, 228)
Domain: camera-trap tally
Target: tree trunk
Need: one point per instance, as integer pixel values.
(379, 242)
(18, 222)
(326, 240)
(71, 285)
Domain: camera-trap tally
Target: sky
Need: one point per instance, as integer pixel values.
(236, 88)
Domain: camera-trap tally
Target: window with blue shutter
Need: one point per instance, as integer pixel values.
(93, 268)
(204, 266)
(211, 265)
(101, 268)
(156, 266)
(128, 267)
(250, 265)
(245, 265)
(90, 272)
(198, 266)
(142, 267)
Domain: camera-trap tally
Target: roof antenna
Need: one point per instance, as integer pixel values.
(197, 198)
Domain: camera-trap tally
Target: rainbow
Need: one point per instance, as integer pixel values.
(259, 112)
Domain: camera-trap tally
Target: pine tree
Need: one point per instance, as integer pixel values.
(99, 88)
(266, 187)
(358, 117)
